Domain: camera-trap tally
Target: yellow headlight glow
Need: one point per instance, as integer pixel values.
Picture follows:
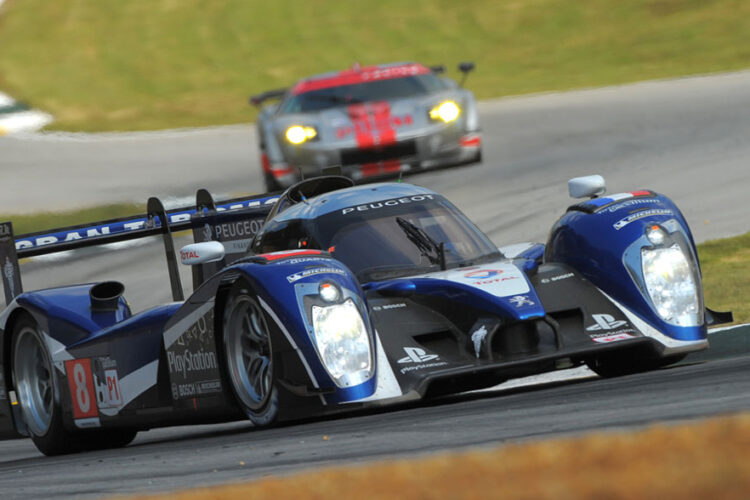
(447, 111)
(297, 134)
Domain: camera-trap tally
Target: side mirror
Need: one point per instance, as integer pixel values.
(589, 186)
(437, 68)
(465, 67)
(200, 253)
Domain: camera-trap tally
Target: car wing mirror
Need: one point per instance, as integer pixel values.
(201, 253)
(589, 186)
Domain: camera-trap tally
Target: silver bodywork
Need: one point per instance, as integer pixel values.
(371, 139)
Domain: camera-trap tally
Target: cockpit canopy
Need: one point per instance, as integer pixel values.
(388, 238)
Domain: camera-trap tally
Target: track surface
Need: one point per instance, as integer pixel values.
(688, 138)
(177, 459)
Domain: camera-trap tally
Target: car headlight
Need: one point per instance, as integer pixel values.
(671, 283)
(447, 111)
(342, 342)
(297, 134)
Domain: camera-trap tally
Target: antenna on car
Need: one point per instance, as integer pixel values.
(400, 173)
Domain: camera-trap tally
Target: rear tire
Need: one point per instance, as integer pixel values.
(37, 386)
(249, 356)
(617, 366)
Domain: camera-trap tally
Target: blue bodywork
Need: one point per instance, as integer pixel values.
(446, 328)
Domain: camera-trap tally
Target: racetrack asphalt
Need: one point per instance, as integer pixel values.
(180, 458)
(688, 138)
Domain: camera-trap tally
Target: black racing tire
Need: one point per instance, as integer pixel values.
(37, 386)
(617, 366)
(248, 356)
(105, 439)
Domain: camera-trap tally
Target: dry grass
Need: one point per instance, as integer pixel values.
(704, 460)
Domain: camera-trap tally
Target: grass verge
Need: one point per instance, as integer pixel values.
(688, 461)
(726, 275)
(148, 64)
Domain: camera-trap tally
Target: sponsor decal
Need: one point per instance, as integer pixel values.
(10, 277)
(4, 230)
(640, 215)
(483, 273)
(625, 204)
(387, 203)
(107, 383)
(606, 338)
(302, 260)
(557, 278)
(207, 233)
(190, 254)
(240, 229)
(477, 338)
(81, 385)
(192, 360)
(386, 307)
(521, 300)
(418, 359)
(392, 121)
(311, 272)
(189, 361)
(131, 225)
(604, 322)
(416, 355)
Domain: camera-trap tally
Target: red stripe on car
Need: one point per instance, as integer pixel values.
(640, 193)
(359, 75)
(292, 253)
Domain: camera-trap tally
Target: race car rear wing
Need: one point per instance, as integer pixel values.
(259, 99)
(207, 219)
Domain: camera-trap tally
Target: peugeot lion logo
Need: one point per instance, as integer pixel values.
(605, 322)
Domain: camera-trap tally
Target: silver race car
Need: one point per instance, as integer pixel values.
(370, 121)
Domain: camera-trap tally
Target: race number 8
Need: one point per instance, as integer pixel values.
(82, 397)
(81, 386)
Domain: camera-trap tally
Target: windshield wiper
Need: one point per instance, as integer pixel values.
(428, 247)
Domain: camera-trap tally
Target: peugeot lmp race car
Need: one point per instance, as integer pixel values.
(334, 297)
(370, 121)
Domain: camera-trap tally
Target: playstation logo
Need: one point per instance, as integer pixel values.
(417, 355)
(605, 322)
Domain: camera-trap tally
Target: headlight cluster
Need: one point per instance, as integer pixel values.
(297, 134)
(447, 111)
(671, 283)
(342, 342)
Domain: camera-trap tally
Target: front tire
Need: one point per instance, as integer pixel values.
(617, 366)
(249, 356)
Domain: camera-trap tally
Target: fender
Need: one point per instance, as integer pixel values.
(287, 284)
(602, 238)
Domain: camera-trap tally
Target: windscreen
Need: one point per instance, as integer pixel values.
(378, 90)
(401, 237)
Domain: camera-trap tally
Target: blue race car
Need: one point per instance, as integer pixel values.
(334, 297)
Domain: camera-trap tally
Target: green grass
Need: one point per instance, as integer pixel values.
(725, 263)
(726, 275)
(149, 64)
